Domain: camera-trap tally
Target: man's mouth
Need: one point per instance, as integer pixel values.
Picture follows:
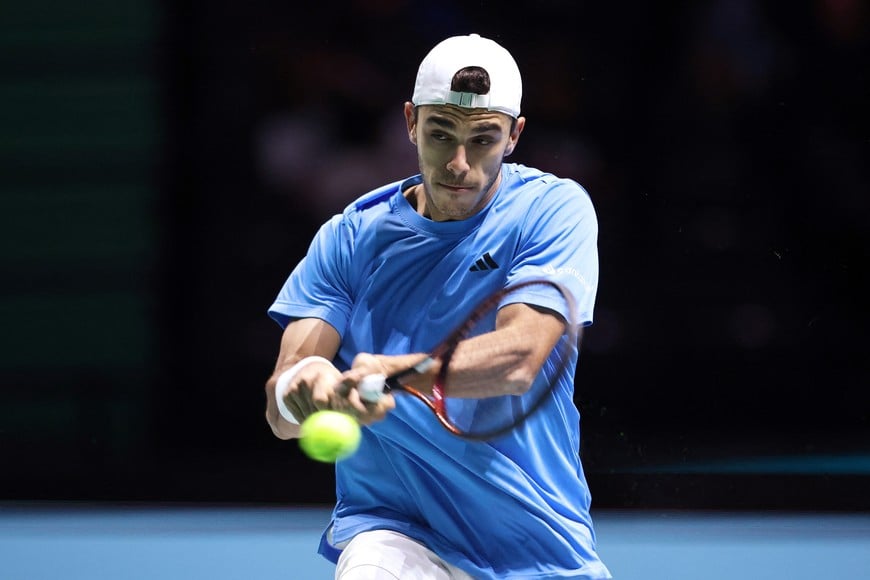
(456, 188)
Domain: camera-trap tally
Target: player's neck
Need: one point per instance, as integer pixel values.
(416, 196)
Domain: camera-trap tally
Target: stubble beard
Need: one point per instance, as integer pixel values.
(454, 209)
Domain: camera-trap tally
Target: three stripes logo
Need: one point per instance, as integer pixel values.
(484, 263)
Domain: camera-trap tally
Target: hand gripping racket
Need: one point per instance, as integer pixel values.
(491, 417)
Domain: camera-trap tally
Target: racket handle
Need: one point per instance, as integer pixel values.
(372, 387)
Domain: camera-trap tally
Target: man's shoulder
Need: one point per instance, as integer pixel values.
(532, 184)
(525, 177)
(378, 196)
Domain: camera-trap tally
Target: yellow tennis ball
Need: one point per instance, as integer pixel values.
(329, 436)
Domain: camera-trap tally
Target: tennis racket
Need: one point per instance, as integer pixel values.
(491, 417)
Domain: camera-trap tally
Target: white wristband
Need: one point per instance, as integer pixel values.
(284, 380)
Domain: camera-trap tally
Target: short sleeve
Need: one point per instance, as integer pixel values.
(318, 286)
(560, 242)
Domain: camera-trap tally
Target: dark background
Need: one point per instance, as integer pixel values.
(164, 165)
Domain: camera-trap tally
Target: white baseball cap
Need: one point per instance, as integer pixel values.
(454, 54)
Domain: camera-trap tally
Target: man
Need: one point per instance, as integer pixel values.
(395, 268)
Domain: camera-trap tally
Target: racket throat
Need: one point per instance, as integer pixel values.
(439, 406)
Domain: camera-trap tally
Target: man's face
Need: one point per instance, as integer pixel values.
(460, 152)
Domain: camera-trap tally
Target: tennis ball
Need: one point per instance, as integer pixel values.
(329, 436)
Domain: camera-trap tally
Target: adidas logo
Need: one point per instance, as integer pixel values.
(484, 263)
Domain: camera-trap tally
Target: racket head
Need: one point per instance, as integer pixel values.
(492, 417)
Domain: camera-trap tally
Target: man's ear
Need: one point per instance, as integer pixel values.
(515, 136)
(411, 122)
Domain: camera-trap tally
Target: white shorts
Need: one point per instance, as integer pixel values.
(388, 555)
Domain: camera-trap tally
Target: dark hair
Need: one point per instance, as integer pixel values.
(471, 79)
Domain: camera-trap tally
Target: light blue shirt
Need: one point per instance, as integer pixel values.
(391, 281)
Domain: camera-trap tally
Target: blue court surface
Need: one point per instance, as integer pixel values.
(81, 541)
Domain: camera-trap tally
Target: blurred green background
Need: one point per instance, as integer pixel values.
(80, 140)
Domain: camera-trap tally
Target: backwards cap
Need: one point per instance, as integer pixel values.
(455, 53)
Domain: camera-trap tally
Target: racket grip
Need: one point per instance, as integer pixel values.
(372, 387)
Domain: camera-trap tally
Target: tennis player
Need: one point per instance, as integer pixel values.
(387, 279)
